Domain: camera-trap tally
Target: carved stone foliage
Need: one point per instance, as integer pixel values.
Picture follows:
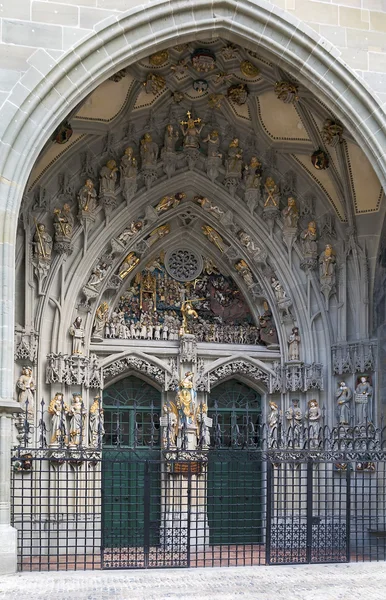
(188, 348)
(356, 357)
(73, 370)
(238, 367)
(138, 364)
(294, 377)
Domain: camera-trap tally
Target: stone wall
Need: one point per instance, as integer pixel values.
(357, 28)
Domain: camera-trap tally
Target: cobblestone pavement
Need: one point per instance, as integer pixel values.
(311, 582)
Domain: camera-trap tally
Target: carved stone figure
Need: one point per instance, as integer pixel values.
(248, 69)
(77, 414)
(129, 170)
(268, 332)
(87, 198)
(25, 386)
(214, 237)
(96, 423)
(238, 93)
(286, 91)
(170, 138)
(313, 416)
(320, 160)
(273, 423)
(363, 399)
(203, 60)
(191, 129)
(294, 345)
(108, 178)
(158, 234)
(154, 83)
(186, 400)
(207, 205)
(187, 312)
(77, 333)
(343, 396)
(309, 238)
(290, 215)
(58, 409)
(272, 194)
(100, 322)
(128, 265)
(294, 417)
(213, 140)
(332, 132)
(252, 174)
(130, 232)
(327, 267)
(245, 272)
(42, 243)
(170, 428)
(168, 202)
(234, 160)
(149, 152)
(63, 222)
(96, 277)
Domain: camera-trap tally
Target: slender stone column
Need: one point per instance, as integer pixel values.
(8, 534)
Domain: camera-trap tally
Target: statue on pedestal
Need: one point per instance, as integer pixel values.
(149, 152)
(295, 421)
(363, 398)
(100, 322)
(42, 243)
(293, 345)
(191, 130)
(77, 414)
(129, 170)
(58, 409)
(96, 423)
(77, 333)
(187, 400)
(343, 396)
(234, 160)
(26, 392)
(313, 415)
(327, 267)
(87, 199)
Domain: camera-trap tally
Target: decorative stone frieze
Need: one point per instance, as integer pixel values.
(354, 357)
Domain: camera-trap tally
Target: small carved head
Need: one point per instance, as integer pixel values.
(312, 403)
(89, 184)
(129, 151)
(146, 138)
(111, 164)
(234, 143)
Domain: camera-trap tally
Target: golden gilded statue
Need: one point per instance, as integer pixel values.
(169, 202)
(214, 237)
(187, 310)
(272, 192)
(248, 69)
(186, 399)
(128, 265)
(158, 233)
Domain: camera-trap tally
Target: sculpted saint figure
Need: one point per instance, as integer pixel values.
(169, 202)
(272, 193)
(77, 414)
(159, 233)
(87, 197)
(213, 237)
(170, 138)
(77, 333)
(26, 392)
(63, 221)
(313, 417)
(128, 166)
(96, 423)
(234, 160)
(191, 130)
(309, 238)
(363, 396)
(128, 265)
(252, 174)
(131, 231)
(100, 322)
(247, 241)
(343, 396)
(58, 409)
(108, 178)
(207, 205)
(327, 262)
(245, 272)
(42, 243)
(294, 344)
(290, 214)
(148, 151)
(213, 140)
(187, 399)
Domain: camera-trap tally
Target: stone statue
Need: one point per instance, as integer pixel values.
(245, 272)
(248, 243)
(154, 83)
(128, 265)
(272, 194)
(293, 345)
(309, 238)
(278, 289)
(187, 400)
(77, 333)
(168, 202)
(97, 276)
(313, 416)
(213, 237)
(203, 433)
(213, 140)
(290, 215)
(170, 430)
(327, 267)
(170, 139)
(108, 178)
(26, 392)
(100, 322)
(149, 152)
(363, 398)
(252, 174)
(58, 409)
(130, 232)
(343, 396)
(207, 205)
(294, 417)
(77, 414)
(96, 423)
(129, 170)
(63, 222)
(42, 243)
(191, 129)
(234, 160)
(158, 234)
(87, 198)
(273, 423)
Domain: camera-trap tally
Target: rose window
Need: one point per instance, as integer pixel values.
(183, 264)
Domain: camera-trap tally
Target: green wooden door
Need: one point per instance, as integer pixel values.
(234, 473)
(131, 477)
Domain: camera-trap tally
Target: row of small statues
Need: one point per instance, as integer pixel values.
(68, 421)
